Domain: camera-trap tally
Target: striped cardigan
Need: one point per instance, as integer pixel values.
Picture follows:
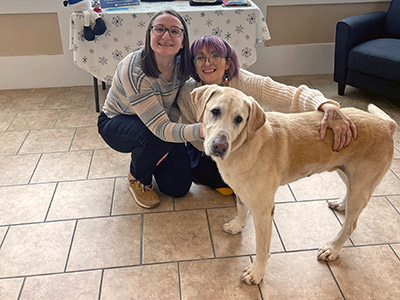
(152, 99)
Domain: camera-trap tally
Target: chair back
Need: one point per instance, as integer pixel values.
(392, 20)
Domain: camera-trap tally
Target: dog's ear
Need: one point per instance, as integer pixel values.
(257, 118)
(200, 97)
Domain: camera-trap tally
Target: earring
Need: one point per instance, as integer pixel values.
(226, 78)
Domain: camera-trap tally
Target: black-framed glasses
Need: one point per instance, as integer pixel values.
(174, 31)
(213, 59)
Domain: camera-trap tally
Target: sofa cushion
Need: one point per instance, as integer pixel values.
(392, 20)
(379, 57)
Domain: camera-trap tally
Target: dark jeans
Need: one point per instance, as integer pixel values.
(128, 134)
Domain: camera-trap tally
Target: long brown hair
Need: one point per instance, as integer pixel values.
(149, 64)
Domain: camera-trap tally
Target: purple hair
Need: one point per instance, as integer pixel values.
(214, 43)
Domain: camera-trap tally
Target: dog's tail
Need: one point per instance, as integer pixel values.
(380, 113)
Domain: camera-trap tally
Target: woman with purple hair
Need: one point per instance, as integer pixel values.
(215, 62)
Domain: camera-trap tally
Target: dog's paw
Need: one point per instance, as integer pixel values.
(339, 205)
(252, 276)
(327, 253)
(233, 227)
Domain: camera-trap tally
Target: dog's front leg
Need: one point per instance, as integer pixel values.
(263, 226)
(237, 224)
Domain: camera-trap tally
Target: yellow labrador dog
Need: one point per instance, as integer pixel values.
(258, 151)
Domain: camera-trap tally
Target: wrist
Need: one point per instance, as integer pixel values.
(325, 106)
(201, 134)
(329, 104)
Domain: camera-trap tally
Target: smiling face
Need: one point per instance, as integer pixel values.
(209, 70)
(164, 45)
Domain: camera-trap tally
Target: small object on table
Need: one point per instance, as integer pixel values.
(118, 3)
(204, 2)
(235, 3)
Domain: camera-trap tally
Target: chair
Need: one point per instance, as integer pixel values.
(367, 52)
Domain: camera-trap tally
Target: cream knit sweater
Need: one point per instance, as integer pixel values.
(267, 92)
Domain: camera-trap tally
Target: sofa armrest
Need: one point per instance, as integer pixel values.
(352, 31)
(358, 29)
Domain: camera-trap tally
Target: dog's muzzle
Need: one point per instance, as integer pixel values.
(219, 146)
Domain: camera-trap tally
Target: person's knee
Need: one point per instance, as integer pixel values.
(177, 190)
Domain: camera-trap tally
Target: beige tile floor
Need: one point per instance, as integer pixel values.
(70, 230)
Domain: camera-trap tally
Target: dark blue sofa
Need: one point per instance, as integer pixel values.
(367, 52)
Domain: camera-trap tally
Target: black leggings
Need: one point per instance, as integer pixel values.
(204, 169)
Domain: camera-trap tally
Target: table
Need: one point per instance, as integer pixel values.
(243, 27)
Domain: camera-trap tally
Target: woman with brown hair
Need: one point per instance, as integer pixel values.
(139, 116)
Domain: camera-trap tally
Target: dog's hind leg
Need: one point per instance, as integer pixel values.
(360, 190)
(340, 204)
(237, 224)
(355, 204)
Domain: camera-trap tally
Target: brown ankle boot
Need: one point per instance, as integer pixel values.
(144, 195)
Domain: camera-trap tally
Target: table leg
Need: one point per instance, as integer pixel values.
(96, 94)
(103, 85)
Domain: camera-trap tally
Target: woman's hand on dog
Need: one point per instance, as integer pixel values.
(343, 127)
(201, 131)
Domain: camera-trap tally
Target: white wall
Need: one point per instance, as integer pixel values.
(296, 59)
(59, 70)
(42, 70)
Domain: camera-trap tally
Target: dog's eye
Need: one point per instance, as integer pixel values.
(238, 120)
(216, 112)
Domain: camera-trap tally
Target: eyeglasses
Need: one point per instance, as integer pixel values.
(174, 31)
(213, 59)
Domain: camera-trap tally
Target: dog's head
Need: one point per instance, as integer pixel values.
(229, 117)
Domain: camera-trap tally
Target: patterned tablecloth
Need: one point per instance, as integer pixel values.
(243, 27)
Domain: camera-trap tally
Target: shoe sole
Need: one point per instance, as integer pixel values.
(140, 203)
(225, 191)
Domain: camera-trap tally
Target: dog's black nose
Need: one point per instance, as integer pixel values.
(220, 145)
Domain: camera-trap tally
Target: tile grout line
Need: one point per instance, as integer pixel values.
(394, 173)
(179, 280)
(4, 237)
(113, 196)
(395, 253)
(35, 168)
(70, 247)
(279, 235)
(90, 165)
(141, 254)
(335, 213)
(101, 283)
(12, 121)
(73, 138)
(51, 202)
(23, 142)
(210, 234)
(21, 289)
(60, 111)
(291, 191)
(390, 202)
(335, 279)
